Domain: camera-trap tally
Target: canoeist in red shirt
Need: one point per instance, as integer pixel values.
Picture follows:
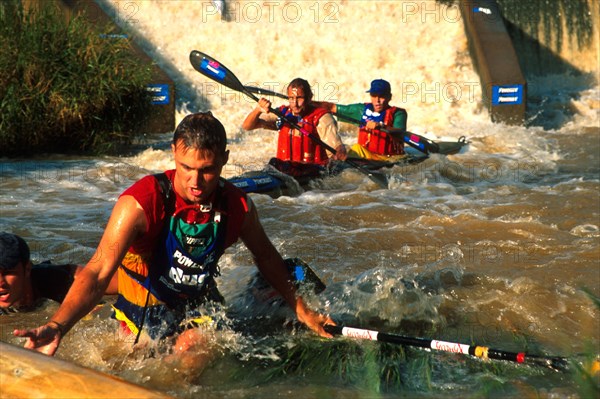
(294, 147)
(165, 236)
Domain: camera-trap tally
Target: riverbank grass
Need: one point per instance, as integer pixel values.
(65, 85)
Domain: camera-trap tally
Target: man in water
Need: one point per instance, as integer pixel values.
(373, 143)
(165, 236)
(295, 149)
(23, 286)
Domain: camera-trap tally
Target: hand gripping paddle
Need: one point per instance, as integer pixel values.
(213, 69)
(418, 142)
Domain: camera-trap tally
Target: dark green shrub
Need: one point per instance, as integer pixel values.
(65, 86)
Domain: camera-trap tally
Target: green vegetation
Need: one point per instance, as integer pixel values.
(66, 86)
(373, 367)
(587, 372)
(546, 21)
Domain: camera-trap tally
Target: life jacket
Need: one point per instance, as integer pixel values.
(293, 145)
(377, 141)
(52, 281)
(155, 290)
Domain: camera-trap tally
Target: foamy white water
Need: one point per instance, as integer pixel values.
(269, 44)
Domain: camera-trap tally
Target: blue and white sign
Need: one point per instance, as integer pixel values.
(160, 93)
(483, 10)
(507, 95)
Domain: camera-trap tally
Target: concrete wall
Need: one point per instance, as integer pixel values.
(555, 37)
(504, 87)
(512, 41)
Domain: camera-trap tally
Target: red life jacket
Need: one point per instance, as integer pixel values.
(293, 145)
(377, 141)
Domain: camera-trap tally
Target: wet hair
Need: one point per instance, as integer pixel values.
(201, 131)
(300, 83)
(13, 249)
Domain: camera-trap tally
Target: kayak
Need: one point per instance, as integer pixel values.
(28, 374)
(282, 178)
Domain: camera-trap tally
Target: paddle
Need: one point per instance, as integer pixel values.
(259, 91)
(213, 69)
(416, 141)
(555, 363)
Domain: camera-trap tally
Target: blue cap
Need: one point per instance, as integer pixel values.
(13, 249)
(380, 87)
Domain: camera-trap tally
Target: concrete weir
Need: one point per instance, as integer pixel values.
(162, 117)
(504, 87)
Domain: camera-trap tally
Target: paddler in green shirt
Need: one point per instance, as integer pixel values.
(374, 143)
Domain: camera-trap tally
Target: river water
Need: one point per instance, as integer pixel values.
(497, 245)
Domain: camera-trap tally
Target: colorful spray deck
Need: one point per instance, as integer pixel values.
(276, 182)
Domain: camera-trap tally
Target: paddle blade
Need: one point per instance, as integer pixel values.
(216, 71)
(554, 363)
(303, 275)
(376, 177)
